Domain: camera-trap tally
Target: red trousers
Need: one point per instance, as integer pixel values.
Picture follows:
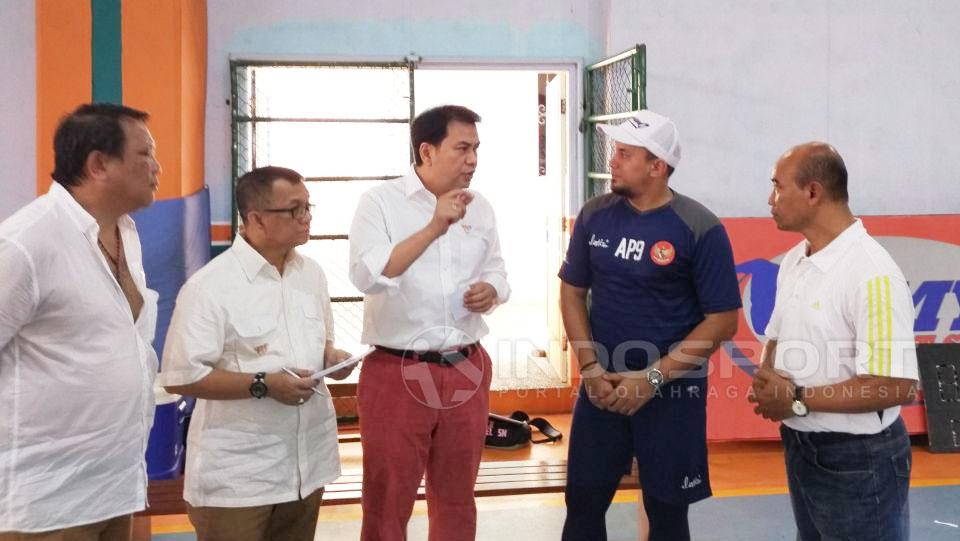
(418, 418)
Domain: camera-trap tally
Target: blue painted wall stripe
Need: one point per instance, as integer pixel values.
(106, 50)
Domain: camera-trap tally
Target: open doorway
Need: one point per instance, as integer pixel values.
(525, 184)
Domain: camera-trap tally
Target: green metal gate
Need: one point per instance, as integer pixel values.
(616, 88)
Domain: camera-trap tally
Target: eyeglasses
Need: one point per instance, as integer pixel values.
(296, 212)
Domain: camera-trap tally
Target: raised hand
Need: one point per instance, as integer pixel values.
(451, 208)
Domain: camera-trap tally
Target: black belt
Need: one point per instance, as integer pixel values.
(443, 358)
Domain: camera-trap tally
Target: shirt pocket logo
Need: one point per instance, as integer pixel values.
(255, 342)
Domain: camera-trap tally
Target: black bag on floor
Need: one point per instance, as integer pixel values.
(514, 432)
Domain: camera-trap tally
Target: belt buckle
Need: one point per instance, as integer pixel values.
(447, 358)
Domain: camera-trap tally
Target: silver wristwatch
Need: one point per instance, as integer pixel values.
(655, 378)
(798, 406)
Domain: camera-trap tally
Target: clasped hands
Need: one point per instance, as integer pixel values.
(773, 393)
(620, 392)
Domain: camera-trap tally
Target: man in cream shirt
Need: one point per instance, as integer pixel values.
(262, 443)
(76, 322)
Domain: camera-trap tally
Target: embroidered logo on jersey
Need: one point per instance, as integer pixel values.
(662, 253)
(261, 349)
(690, 483)
(466, 228)
(599, 243)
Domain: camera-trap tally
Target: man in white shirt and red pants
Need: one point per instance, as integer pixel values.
(76, 322)
(425, 252)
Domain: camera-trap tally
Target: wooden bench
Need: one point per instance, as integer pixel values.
(495, 478)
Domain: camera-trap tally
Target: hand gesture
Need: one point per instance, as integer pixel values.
(451, 208)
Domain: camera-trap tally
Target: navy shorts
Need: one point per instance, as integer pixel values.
(667, 436)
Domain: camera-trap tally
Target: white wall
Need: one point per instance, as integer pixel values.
(382, 30)
(18, 165)
(745, 80)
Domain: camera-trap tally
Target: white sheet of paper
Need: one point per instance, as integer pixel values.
(320, 374)
(457, 308)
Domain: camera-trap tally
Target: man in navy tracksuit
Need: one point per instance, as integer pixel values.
(663, 296)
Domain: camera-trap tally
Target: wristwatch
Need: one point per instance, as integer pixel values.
(798, 406)
(258, 389)
(655, 378)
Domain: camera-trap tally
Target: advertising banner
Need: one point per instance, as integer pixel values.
(927, 248)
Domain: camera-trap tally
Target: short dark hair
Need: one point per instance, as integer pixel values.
(255, 187)
(824, 165)
(90, 127)
(430, 126)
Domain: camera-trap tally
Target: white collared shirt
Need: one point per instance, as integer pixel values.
(76, 371)
(239, 314)
(417, 310)
(843, 312)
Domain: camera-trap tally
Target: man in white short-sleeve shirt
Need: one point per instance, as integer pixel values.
(840, 359)
(262, 443)
(76, 321)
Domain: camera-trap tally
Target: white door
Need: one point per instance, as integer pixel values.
(557, 182)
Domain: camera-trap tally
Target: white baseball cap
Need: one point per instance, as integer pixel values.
(647, 129)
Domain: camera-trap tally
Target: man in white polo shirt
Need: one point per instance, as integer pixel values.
(839, 361)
